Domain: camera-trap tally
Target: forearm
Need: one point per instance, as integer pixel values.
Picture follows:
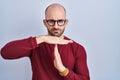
(69, 74)
(52, 40)
(40, 39)
(18, 48)
(80, 71)
(75, 76)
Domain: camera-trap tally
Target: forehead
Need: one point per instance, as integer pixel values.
(55, 12)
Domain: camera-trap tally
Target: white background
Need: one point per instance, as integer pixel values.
(93, 23)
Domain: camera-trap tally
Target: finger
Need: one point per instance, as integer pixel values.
(69, 41)
(66, 41)
(56, 50)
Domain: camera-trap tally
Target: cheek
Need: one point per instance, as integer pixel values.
(50, 29)
(62, 28)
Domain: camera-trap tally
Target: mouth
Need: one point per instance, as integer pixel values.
(56, 30)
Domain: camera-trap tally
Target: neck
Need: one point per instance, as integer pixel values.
(62, 36)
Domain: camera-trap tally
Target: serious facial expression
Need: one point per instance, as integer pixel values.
(55, 21)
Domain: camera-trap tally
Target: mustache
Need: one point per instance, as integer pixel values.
(55, 29)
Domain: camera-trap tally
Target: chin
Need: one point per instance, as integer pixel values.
(57, 35)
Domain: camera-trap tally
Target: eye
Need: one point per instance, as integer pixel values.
(50, 21)
(61, 21)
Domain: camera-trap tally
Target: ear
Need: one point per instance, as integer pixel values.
(66, 22)
(44, 22)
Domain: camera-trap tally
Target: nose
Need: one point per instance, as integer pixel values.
(56, 25)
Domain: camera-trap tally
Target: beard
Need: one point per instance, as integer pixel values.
(53, 33)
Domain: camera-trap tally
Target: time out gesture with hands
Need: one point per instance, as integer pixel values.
(63, 71)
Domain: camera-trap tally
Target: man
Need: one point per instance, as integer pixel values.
(53, 56)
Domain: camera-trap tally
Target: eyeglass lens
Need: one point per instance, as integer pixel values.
(60, 22)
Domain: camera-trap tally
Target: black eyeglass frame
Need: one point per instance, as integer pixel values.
(54, 21)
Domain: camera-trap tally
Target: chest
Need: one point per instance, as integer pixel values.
(67, 55)
(46, 54)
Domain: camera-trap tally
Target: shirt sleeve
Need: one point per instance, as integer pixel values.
(80, 71)
(18, 48)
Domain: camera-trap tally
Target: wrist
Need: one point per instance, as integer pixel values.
(39, 39)
(61, 69)
(65, 72)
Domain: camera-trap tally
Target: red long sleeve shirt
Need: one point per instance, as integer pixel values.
(41, 55)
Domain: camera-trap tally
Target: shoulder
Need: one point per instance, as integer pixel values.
(77, 48)
(75, 44)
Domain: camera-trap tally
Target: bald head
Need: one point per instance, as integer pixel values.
(55, 8)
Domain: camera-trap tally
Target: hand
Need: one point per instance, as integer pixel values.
(57, 60)
(52, 40)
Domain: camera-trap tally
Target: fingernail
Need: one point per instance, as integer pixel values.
(71, 41)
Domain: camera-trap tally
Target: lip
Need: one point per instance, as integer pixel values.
(56, 30)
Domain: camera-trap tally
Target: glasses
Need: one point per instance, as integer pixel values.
(60, 22)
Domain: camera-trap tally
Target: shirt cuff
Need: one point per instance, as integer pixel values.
(68, 75)
(33, 42)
